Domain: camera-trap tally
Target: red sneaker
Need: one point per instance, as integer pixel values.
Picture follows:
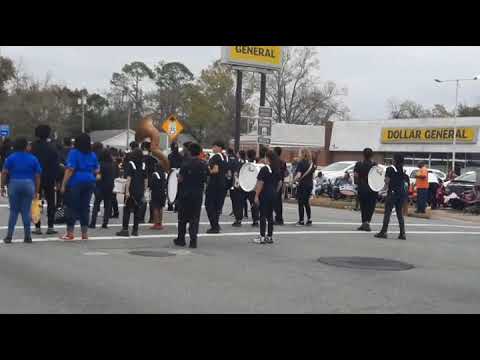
(157, 227)
(67, 236)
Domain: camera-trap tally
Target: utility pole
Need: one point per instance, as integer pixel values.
(128, 125)
(238, 110)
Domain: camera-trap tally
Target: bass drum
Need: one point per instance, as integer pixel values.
(376, 178)
(247, 177)
(172, 185)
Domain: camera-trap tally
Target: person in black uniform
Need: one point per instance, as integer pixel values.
(304, 178)
(49, 160)
(251, 156)
(216, 188)
(175, 159)
(136, 175)
(104, 189)
(237, 195)
(268, 183)
(150, 165)
(366, 197)
(158, 186)
(192, 178)
(397, 192)
(278, 208)
(242, 158)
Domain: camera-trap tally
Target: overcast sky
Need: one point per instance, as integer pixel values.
(371, 74)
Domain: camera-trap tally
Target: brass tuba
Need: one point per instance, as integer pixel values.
(145, 130)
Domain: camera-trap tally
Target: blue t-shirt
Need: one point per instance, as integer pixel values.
(83, 165)
(22, 165)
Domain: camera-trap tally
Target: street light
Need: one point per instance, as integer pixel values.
(457, 81)
(82, 101)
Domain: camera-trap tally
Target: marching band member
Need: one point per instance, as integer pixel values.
(136, 175)
(268, 182)
(192, 178)
(397, 183)
(366, 196)
(158, 187)
(278, 208)
(216, 188)
(251, 155)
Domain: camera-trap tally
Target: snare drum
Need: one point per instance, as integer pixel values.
(247, 176)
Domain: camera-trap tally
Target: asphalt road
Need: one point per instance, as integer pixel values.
(230, 274)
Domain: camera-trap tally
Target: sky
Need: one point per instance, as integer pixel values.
(372, 74)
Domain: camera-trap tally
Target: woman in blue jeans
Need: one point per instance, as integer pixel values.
(23, 172)
(78, 185)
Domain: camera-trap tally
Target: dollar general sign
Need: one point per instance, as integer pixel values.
(465, 135)
(269, 57)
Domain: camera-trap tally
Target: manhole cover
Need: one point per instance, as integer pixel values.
(151, 253)
(368, 263)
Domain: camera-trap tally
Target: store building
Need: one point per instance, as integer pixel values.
(417, 139)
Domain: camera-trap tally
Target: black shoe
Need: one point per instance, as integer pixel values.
(115, 216)
(92, 226)
(192, 245)
(135, 232)
(104, 226)
(179, 243)
(381, 235)
(279, 223)
(123, 233)
(37, 231)
(237, 224)
(402, 237)
(7, 240)
(27, 240)
(213, 231)
(268, 240)
(367, 227)
(51, 232)
(309, 223)
(300, 223)
(255, 224)
(361, 227)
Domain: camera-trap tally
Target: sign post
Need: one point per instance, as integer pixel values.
(4, 131)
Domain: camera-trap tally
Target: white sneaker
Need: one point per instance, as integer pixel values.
(259, 240)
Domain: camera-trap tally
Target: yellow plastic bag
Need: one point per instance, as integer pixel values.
(36, 210)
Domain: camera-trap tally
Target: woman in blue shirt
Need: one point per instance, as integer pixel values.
(79, 184)
(23, 171)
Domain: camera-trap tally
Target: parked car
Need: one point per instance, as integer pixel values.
(336, 170)
(461, 184)
(412, 173)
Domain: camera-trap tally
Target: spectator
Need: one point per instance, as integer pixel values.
(422, 187)
(23, 171)
(78, 185)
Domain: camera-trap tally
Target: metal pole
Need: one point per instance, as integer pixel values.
(263, 88)
(455, 127)
(238, 110)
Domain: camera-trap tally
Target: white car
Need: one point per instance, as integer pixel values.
(411, 171)
(336, 170)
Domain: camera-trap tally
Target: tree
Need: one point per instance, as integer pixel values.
(7, 72)
(294, 92)
(408, 109)
(465, 110)
(128, 83)
(439, 111)
(172, 80)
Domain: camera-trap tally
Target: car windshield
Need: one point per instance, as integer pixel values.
(470, 177)
(338, 166)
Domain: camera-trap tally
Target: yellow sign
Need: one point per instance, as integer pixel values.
(172, 127)
(465, 135)
(269, 57)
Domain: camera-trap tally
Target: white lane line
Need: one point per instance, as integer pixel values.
(319, 232)
(19, 227)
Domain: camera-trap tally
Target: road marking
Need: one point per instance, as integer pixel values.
(19, 227)
(95, 253)
(277, 233)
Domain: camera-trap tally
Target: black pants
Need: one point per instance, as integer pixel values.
(144, 212)
(368, 200)
(253, 207)
(238, 202)
(396, 201)
(303, 198)
(135, 207)
(115, 205)
(266, 215)
(432, 191)
(189, 210)
(422, 198)
(47, 191)
(214, 199)
(278, 207)
(245, 204)
(106, 197)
